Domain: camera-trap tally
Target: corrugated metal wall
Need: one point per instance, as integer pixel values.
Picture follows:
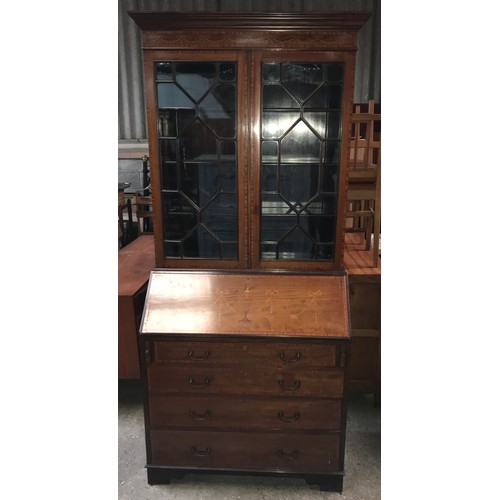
(131, 107)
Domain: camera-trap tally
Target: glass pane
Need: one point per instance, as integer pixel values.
(197, 242)
(328, 96)
(217, 109)
(334, 72)
(171, 96)
(326, 125)
(220, 217)
(274, 228)
(301, 79)
(227, 178)
(229, 250)
(197, 106)
(174, 121)
(197, 142)
(179, 217)
(164, 71)
(269, 151)
(172, 249)
(199, 182)
(276, 96)
(324, 204)
(325, 252)
(222, 226)
(320, 227)
(167, 150)
(201, 242)
(299, 168)
(330, 179)
(224, 205)
(228, 151)
(332, 151)
(195, 78)
(270, 72)
(228, 72)
(169, 176)
(297, 246)
(298, 184)
(269, 251)
(300, 145)
(276, 123)
(183, 118)
(167, 124)
(269, 178)
(273, 204)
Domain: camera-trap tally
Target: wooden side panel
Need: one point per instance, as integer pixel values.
(365, 303)
(128, 355)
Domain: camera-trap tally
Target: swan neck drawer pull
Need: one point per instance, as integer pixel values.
(293, 387)
(288, 456)
(201, 453)
(201, 357)
(200, 416)
(285, 418)
(298, 355)
(201, 385)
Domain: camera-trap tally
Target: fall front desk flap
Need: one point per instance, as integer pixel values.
(254, 304)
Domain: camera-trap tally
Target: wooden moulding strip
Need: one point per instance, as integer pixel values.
(365, 333)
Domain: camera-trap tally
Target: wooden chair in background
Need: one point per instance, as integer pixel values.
(143, 211)
(363, 195)
(125, 230)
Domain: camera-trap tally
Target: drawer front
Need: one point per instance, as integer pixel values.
(272, 354)
(246, 450)
(201, 412)
(242, 381)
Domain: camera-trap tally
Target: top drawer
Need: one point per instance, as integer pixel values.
(270, 354)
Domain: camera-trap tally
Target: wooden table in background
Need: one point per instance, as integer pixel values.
(365, 301)
(135, 262)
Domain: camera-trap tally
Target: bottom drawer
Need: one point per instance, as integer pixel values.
(285, 452)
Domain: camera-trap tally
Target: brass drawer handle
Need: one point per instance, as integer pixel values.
(293, 418)
(201, 385)
(293, 387)
(201, 453)
(288, 456)
(203, 357)
(298, 355)
(198, 416)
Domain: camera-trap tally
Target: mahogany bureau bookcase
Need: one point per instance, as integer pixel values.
(244, 340)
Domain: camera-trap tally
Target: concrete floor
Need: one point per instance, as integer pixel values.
(362, 462)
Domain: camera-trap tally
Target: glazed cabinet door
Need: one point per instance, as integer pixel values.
(297, 151)
(197, 123)
(247, 157)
